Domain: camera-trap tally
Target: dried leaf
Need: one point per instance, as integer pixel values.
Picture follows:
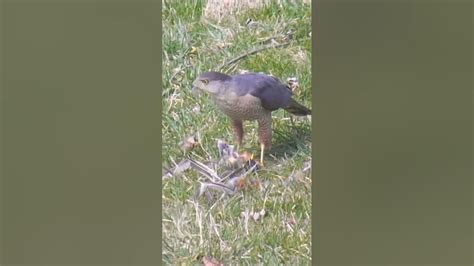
(241, 183)
(193, 51)
(189, 143)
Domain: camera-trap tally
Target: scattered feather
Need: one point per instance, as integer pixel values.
(256, 216)
(205, 170)
(177, 170)
(293, 84)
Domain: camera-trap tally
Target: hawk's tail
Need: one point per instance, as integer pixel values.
(297, 109)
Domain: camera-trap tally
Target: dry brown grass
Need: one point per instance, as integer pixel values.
(219, 9)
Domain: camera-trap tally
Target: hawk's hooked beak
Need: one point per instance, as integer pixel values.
(196, 91)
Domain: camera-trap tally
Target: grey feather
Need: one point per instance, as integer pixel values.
(214, 76)
(271, 92)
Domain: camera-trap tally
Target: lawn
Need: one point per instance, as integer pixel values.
(268, 220)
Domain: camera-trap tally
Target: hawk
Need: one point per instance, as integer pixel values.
(249, 97)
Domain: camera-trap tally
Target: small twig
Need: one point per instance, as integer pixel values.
(251, 52)
(269, 39)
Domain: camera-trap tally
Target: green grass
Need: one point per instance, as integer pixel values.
(194, 229)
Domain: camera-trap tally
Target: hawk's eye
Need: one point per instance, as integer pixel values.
(205, 81)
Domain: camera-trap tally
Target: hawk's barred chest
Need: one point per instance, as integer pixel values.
(245, 107)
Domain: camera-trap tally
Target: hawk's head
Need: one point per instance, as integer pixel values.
(211, 82)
